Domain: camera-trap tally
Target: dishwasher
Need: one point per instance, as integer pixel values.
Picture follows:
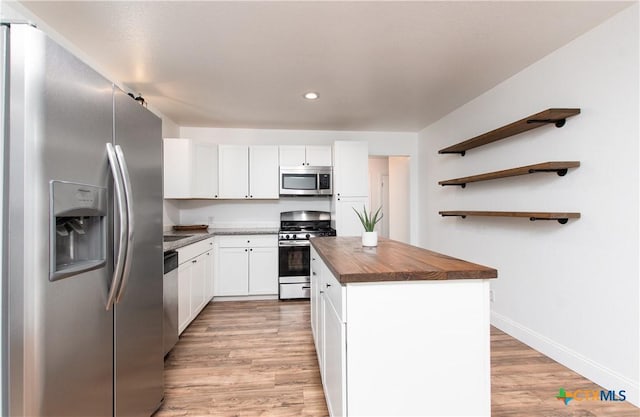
(170, 301)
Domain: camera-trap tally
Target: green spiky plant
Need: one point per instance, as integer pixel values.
(368, 220)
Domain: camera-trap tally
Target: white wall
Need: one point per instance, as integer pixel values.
(380, 143)
(571, 291)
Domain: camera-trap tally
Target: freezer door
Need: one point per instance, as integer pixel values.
(139, 359)
(60, 333)
(4, 409)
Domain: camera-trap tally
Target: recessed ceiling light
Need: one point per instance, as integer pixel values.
(311, 95)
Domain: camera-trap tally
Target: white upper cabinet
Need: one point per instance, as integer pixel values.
(299, 155)
(350, 169)
(248, 172)
(190, 169)
(292, 156)
(234, 171)
(318, 156)
(263, 172)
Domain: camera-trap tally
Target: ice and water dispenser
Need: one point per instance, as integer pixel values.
(78, 229)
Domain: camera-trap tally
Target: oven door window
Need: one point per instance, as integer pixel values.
(299, 181)
(294, 261)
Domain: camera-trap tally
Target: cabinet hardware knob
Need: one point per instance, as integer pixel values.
(251, 250)
(313, 259)
(314, 273)
(250, 196)
(328, 285)
(195, 261)
(215, 196)
(321, 292)
(245, 250)
(246, 196)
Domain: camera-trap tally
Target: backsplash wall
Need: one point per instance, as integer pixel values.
(259, 213)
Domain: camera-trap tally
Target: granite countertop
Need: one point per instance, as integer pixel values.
(350, 262)
(198, 235)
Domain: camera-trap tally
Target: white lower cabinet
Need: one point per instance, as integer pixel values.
(209, 270)
(184, 296)
(316, 300)
(247, 265)
(397, 348)
(233, 272)
(263, 271)
(195, 280)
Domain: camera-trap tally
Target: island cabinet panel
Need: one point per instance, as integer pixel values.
(419, 348)
(335, 358)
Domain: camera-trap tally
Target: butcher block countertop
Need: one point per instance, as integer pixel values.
(350, 262)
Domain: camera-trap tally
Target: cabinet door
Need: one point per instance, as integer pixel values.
(264, 172)
(263, 271)
(351, 169)
(316, 301)
(319, 156)
(208, 277)
(292, 156)
(233, 272)
(334, 362)
(176, 163)
(184, 295)
(347, 222)
(198, 273)
(204, 171)
(233, 171)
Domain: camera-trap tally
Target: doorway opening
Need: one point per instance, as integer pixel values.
(389, 189)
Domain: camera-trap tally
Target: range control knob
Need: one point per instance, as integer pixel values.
(308, 236)
(286, 237)
(294, 236)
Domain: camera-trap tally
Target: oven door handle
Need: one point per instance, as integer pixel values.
(293, 243)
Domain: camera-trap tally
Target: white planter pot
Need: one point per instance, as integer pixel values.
(369, 238)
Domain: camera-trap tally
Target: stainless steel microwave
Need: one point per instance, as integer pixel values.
(306, 181)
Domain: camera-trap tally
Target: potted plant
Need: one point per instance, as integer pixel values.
(369, 221)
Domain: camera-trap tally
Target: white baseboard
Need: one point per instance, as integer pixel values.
(244, 298)
(573, 360)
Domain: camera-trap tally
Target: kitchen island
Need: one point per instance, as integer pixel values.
(400, 330)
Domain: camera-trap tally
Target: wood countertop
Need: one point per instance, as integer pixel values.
(350, 262)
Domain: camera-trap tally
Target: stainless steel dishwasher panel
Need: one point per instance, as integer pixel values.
(170, 301)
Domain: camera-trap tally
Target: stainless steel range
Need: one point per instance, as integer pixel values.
(296, 228)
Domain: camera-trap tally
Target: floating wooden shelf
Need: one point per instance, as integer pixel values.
(562, 218)
(555, 116)
(559, 167)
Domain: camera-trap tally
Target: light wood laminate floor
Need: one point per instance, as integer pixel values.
(256, 358)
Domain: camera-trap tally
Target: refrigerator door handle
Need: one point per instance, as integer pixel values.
(124, 225)
(131, 224)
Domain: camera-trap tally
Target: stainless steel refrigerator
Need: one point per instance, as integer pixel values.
(81, 238)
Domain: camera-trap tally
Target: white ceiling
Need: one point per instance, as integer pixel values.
(395, 66)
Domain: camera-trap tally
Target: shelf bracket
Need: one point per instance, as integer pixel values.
(454, 215)
(558, 123)
(463, 184)
(561, 171)
(563, 220)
